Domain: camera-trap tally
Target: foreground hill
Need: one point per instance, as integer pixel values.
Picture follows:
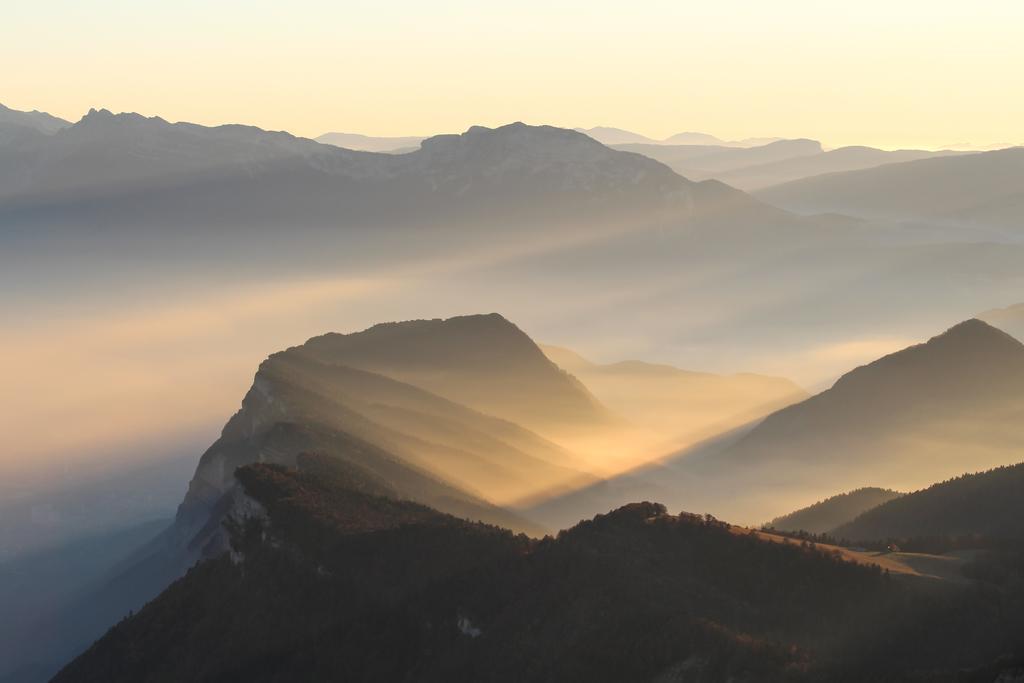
(830, 513)
(988, 505)
(972, 190)
(327, 581)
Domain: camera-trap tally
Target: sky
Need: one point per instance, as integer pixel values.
(890, 74)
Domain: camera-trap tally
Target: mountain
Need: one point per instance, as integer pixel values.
(987, 504)
(614, 136)
(694, 139)
(1009, 319)
(325, 581)
(368, 143)
(38, 121)
(402, 402)
(699, 162)
(830, 513)
(760, 176)
(972, 190)
(680, 405)
(482, 361)
(388, 433)
(618, 136)
(125, 169)
(926, 412)
(920, 415)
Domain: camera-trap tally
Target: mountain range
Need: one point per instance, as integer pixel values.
(617, 136)
(979, 191)
(123, 168)
(920, 415)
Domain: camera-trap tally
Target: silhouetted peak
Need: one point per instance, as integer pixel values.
(517, 133)
(975, 331)
(969, 349)
(104, 117)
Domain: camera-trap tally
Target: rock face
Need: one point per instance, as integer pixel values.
(426, 406)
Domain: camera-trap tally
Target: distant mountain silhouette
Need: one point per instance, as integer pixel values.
(1009, 319)
(614, 136)
(830, 513)
(971, 190)
(699, 162)
(38, 121)
(327, 580)
(618, 136)
(370, 143)
(988, 504)
(926, 412)
(760, 176)
(132, 170)
(691, 138)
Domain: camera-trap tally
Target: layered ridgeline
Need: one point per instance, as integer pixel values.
(981, 190)
(118, 168)
(328, 579)
(371, 143)
(988, 505)
(36, 121)
(826, 515)
(924, 414)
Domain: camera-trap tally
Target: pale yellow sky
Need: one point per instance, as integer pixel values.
(887, 73)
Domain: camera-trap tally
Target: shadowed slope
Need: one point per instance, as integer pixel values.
(826, 515)
(327, 582)
(988, 504)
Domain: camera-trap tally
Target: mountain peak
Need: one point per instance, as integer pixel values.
(105, 116)
(976, 331)
(972, 350)
(483, 361)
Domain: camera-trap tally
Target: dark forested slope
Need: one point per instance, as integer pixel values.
(329, 582)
